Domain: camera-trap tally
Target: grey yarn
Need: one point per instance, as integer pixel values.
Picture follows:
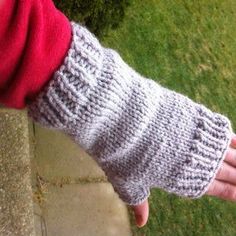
(141, 134)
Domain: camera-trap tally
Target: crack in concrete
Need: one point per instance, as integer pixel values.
(41, 186)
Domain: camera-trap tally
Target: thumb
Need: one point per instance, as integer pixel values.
(141, 213)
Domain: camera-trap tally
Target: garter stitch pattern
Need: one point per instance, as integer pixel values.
(141, 134)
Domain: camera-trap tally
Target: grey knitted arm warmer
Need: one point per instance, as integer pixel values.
(141, 134)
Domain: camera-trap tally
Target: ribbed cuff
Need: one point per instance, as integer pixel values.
(210, 143)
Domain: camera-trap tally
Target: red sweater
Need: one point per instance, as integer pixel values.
(34, 39)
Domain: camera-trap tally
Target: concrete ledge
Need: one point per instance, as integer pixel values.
(16, 207)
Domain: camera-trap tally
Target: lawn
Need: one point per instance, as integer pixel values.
(190, 47)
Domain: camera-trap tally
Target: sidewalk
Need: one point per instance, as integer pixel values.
(70, 197)
(71, 194)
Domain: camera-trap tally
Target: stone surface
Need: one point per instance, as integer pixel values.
(85, 210)
(16, 208)
(56, 156)
(39, 221)
(71, 194)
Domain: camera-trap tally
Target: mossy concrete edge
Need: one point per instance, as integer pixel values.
(16, 206)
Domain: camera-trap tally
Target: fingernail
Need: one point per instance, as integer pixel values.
(233, 141)
(139, 220)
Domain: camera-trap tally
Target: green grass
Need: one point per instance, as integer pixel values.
(190, 47)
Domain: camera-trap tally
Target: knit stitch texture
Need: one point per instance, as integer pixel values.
(141, 134)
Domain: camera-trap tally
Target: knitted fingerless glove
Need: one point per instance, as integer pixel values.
(141, 134)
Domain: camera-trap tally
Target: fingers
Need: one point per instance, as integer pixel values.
(222, 190)
(141, 213)
(230, 157)
(233, 141)
(224, 185)
(227, 173)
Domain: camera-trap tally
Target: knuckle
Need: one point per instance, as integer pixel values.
(213, 189)
(229, 192)
(233, 194)
(221, 169)
(226, 175)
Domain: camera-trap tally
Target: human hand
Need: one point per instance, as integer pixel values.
(223, 186)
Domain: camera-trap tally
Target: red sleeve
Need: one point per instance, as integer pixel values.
(34, 39)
